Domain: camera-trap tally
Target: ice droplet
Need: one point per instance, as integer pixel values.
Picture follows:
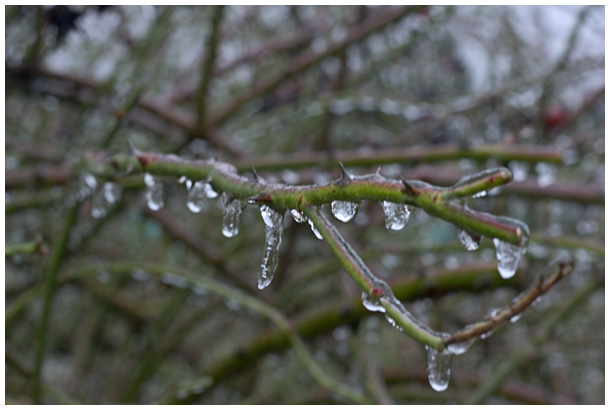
(508, 256)
(516, 317)
(209, 191)
(274, 225)
(197, 197)
(470, 243)
(343, 210)
(154, 192)
(439, 368)
(396, 215)
(184, 180)
(230, 216)
(86, 186)
(480, 194)
(174, 280)
(297, 216)
(393, 323)
(371, 303)
(112, 192)
(459, 347)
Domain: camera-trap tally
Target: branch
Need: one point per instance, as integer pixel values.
(436, 201)
(207, 68)
(489, 323)
(50, 286)
(411, 155)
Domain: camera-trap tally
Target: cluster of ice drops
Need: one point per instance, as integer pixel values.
(396, 218)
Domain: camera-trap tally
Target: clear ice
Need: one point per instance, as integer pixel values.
(470, 243)
(508, 256)
(343, 210)
(396, 215)
(112, 192)
(154, 192)
(439, 368)
(230, 216)
(197, 198)
(371, 303)
(300, 218)
(274, 225)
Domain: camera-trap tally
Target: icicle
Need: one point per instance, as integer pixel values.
(274, 225)
(196, 199)
(343, 210)
(470, 243)
(508, 256)
(230, 216)
(396, 215)
(154, 192)
(112, 192)
(439, 368)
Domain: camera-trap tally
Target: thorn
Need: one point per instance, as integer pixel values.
(144, 160)
(378, 172)
(257, 177)
(409, 189)
(345, 176)
(263, 197)
(132, 149)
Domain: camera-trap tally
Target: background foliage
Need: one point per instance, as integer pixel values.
(288, 90)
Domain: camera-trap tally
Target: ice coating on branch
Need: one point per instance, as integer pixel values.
(343, 210)
(439, 368)
(196, 199)
(470, 243)
(230, 216)
(274, 225)
(154, 192)
(300, 218)
(314, 230)
(508, 256)
(396, 215)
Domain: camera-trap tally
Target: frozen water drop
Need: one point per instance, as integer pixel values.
(274, 225)
(209, 191)
(86, 186)
(459, 347)
(112, 192)
(230, 216)
(297, 216)
(516, 318)
(470, 242)
(371, 303)
(343, 210)
(396, 215)
(154, 192)
(508, 256)
(487, 334)
(174, 280)
(99, 207)
(184, 180)
(90, 181)
(480, 194)
(393, 323)
(439, 368)
(196, 199)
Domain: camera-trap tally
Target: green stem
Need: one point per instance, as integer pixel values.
(374, 287)
(50, 286)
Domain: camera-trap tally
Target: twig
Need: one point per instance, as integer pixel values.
(121, 114)
(36, 246)
(517, 359)
(434, 200)
(247, 301)
(207, 68)
(50, 286)
(522, 302)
